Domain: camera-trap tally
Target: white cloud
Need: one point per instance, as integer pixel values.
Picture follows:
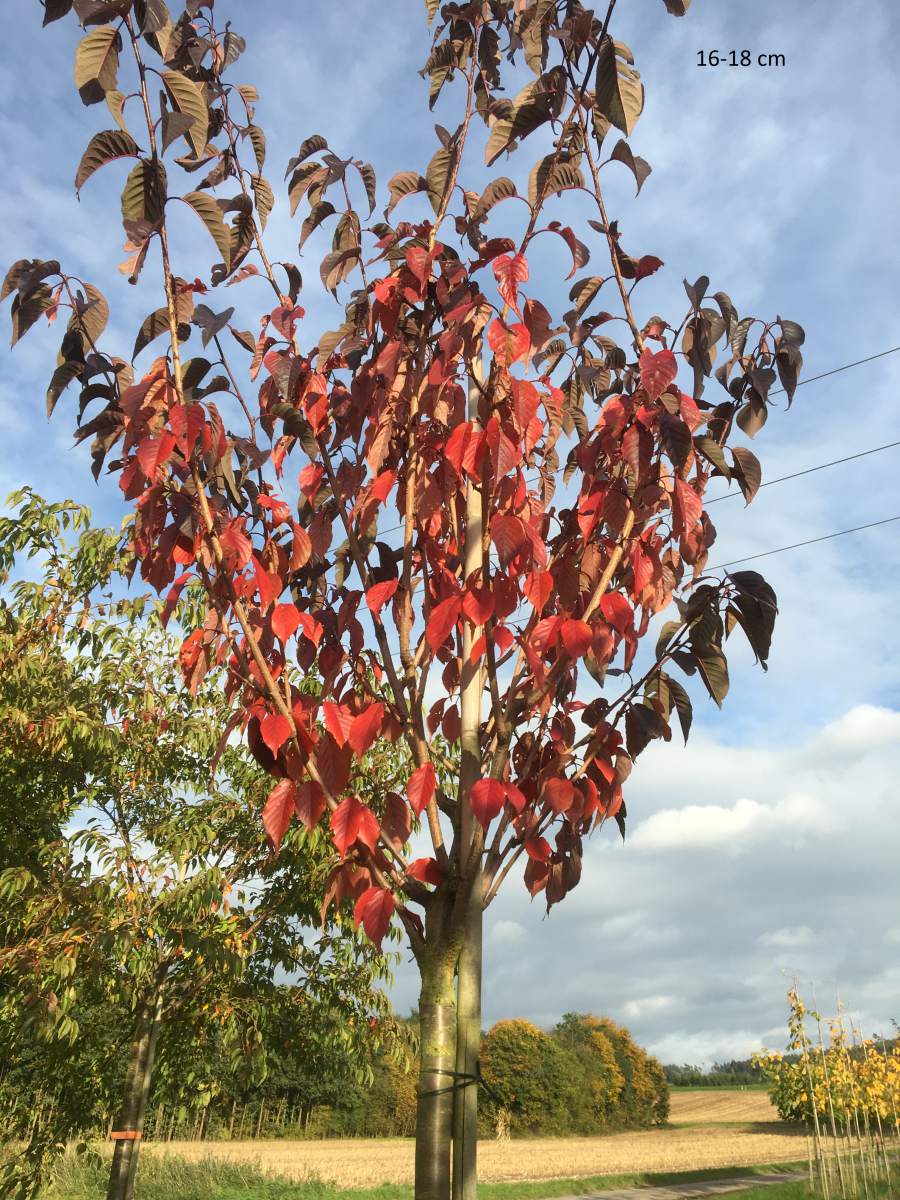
(646, 1006)
(787, 936)
(737, 828)
(508, 933)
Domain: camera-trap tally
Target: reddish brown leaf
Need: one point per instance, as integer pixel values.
(421, 787)
(333, 763)
(538, 587)
(352, 821)
(617, 611)
(426, 870)
(154, 452)
(442, 620)
(559, 794)
(379, 594)
(373, 911)
(237, 546)
(657, 371)
(278, 810)
(338, 719)
(487, 798)
(396, 825)
(508, 342)
(309, 803)
(510, 537)
(285, 620)
(365, 728)
(478, 604)
(538, 849)
(510, 270)
(577, 637)
(275, 730)
(187, 422)
(687, 508)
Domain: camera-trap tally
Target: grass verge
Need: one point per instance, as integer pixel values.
(170, 1178)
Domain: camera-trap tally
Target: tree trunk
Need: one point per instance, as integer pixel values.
(468, 1050)
(437, 1047)
(468, 1037)
(134, 1102)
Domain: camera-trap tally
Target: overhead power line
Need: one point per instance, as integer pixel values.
(808, 471)
(836, 370)
(809, 542)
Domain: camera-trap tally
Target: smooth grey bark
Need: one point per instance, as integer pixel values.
(468, 1051)
(437, 1057)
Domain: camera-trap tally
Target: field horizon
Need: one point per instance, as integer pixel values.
(708, 1128)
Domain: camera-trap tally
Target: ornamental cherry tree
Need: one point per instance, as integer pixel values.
(463, 508)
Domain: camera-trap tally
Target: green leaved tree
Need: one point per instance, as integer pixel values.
(139, 889)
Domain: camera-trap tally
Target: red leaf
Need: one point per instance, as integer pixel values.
(442, 620)
(269, 586)
(510, 270)
(379, 594)
(309, 803)
(538, 587)
(514, 797)
(419, 262)
(301, 548)
(285, 620)
(455, 446)
(373, 911)
(333, 763)
(187, 422)
(237, 546)
(617, 611)
(278, 810)
(154, 453)
(353, 822)
(577, 637)
(508, 342)
(510, 537)
(426, 870)
(646, 265)
(545, 633)
(338, 720)
(487, 800)
(687, 507)
(505, 453)
(559, 794)
(275, 730)
(643, 568)
(365, 728)
(421, 787)
(311, 628)
(580, 252)
(526, 400)
(657, 371)
(396, 825)
(538, 849)
(503, 638)
(311, 479)
(478, 604)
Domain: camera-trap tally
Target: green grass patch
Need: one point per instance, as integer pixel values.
(167, 1177)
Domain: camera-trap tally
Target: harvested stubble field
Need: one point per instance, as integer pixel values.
(711, 1129)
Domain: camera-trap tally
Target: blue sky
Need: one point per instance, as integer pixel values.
(771, 842)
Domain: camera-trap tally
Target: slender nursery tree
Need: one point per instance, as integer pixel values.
(464, 507)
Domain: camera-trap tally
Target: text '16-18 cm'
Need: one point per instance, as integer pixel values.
(738, 58)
